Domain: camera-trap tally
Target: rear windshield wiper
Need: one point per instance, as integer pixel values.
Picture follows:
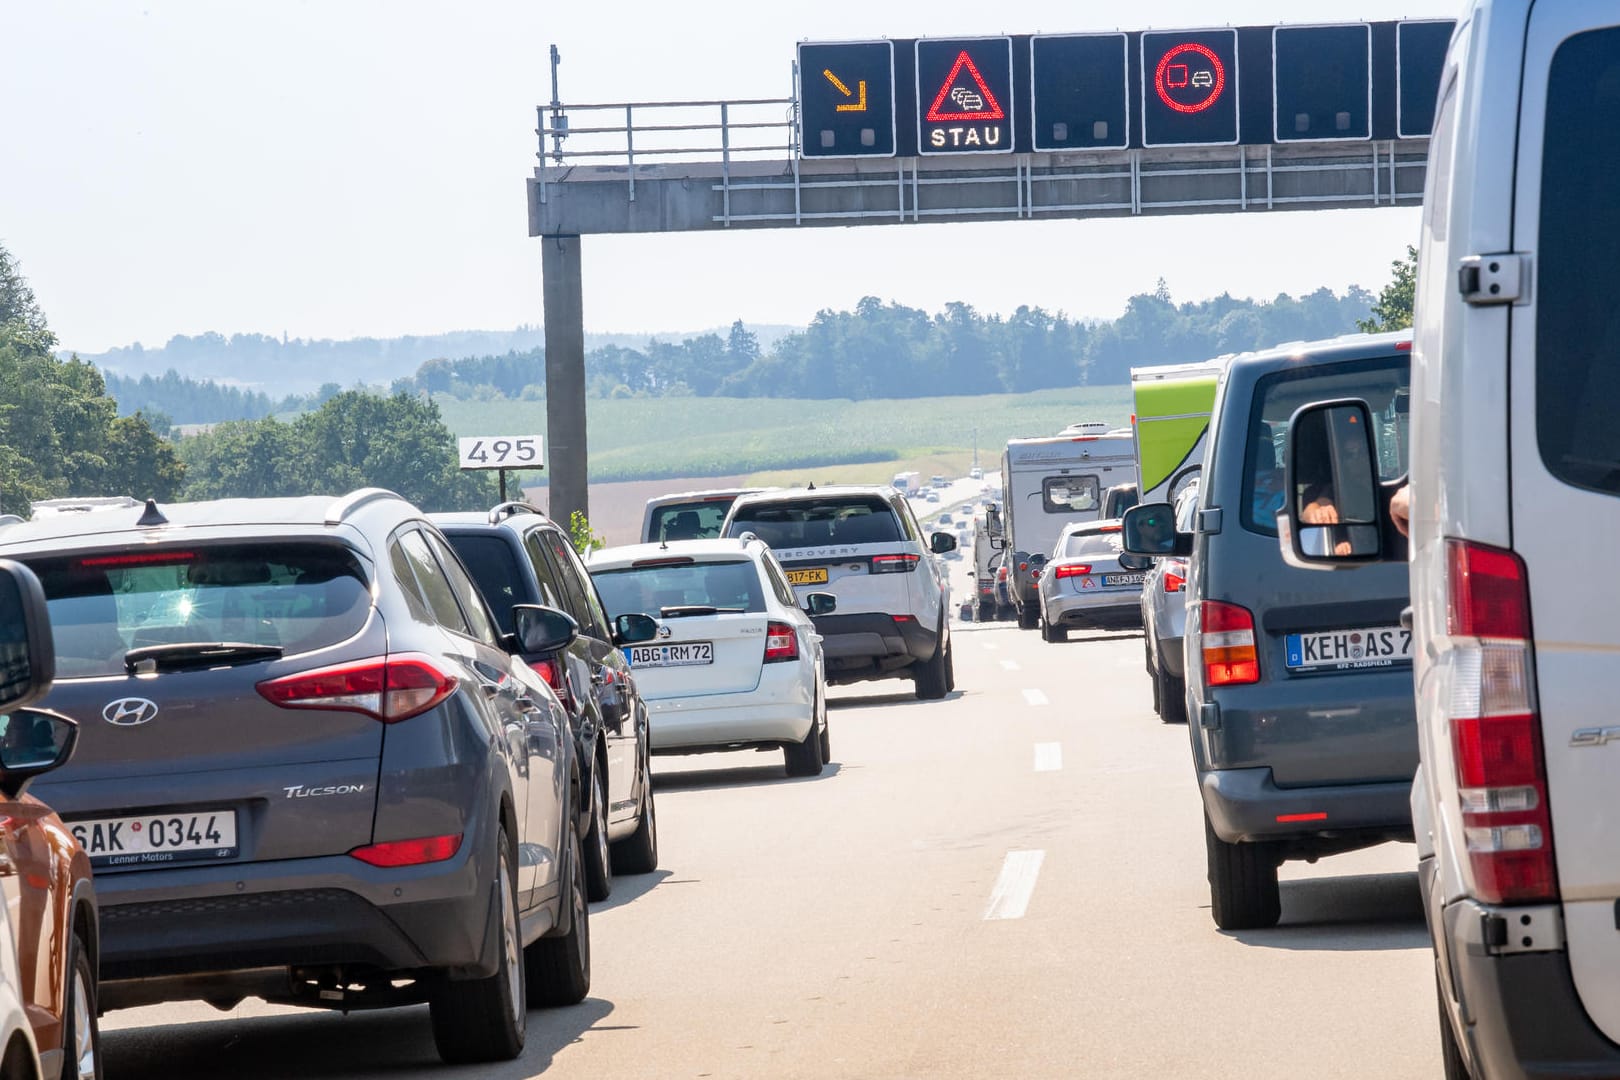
(684, 610)
(196, 654)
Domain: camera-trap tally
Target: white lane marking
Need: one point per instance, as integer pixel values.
(1048, 756)
(1035, 697)
(1015, 885)
(1010, 665)
(989, 644)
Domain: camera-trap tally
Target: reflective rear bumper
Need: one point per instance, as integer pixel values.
(1246, 804)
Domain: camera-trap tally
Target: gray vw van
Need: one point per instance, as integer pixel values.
(1298, 684)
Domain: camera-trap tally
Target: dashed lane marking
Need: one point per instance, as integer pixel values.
(1035, 697)
(1010, 665)
(1009, 899)
(1048, 756)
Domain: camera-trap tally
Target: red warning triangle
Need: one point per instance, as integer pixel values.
(969, 105)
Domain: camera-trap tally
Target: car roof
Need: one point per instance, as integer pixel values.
(614, 558)
(881, 491)
(517, 515)
(710, 493)
(1327, 350)
(122, 524)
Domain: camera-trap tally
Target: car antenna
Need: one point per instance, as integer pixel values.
(151, 516)
(810, 486)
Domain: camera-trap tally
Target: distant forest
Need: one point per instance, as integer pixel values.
(878, 350)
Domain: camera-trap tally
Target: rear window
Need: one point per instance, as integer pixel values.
(296, 596)
(1089, 545)
(697, 520)
(732, 585)
(1577, 322)
(1381, 383)
(807, 523)
(494, 567)
(1066, 494)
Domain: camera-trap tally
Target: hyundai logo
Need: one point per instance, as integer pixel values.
(129, 711)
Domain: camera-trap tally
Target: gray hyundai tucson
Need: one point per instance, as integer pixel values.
(311, 768)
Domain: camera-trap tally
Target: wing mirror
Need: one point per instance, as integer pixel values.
(1150, 529)
(1336, 513)
(1127, 561)
(939, 543)
(27, 649)
(821, 603)
(634, 628)
(540, 629)
(33, 741)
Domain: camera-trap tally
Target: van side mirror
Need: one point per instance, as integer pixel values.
(27, 648)
(1334, 511)
(1127, 561)
(634, 628)
(540, 629)
(1150, 529)
(939, 543)
(821, 603)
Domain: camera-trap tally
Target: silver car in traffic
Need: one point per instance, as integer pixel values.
(1083, 585)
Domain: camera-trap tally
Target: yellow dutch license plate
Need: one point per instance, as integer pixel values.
(817, 576)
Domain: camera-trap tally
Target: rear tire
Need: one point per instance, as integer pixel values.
(826, 737)
(477, 1020)
(81, 1035)
(638, 852)
(933, 680)
(1027, 617)
(559, 968)
(1153, 679)
(986, 612)
(950, 667)
(1243, 890)
(1053, 634)
(598, 863)
(804, 759)
(1171, 695)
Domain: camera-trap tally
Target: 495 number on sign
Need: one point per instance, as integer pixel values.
(502, 452)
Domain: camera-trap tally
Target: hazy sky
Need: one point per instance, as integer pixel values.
(338, 169)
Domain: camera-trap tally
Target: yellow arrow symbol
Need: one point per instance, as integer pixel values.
(860, 102)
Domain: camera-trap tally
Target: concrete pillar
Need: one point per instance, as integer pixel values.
(565, 377)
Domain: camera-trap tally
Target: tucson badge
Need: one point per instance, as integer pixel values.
(129, 711)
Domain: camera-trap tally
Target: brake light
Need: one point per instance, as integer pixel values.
(552, 671)
(139, 558)
(1001, 574)
(1230, 657)
(1175, 575)
(386, 688)
(781, 643)
(895, 564)
(1071, 570)
(1496, 726)
(427, 849)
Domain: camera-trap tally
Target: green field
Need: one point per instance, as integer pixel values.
(654, 438)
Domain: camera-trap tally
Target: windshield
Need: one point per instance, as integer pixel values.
(1090, 545)
(807, 523)
(697, 520)
(732, 586)
(295, 596)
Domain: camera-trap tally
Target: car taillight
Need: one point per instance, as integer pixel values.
(895, 564)
(1230, 657)
(1001, 574)
(1496, 726)
(426, 849)
(552, 671)
(1175, 575)
(781, 643)
(386, 688)
(1071, 570)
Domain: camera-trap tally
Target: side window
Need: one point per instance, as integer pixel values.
(1577, 321)
(551, 593)
(406, 579)
(581, 593)
(441, 600)
(908, 520)
(472, 602)
(779, 585)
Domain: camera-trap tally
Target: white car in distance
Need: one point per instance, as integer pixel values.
(737, 665)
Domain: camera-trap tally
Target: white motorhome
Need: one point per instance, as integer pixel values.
(908, 482)
(1048, 483)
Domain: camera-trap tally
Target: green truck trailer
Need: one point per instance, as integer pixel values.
(1172, 403)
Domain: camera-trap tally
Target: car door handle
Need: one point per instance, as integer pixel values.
(490, 689)
(528, 704)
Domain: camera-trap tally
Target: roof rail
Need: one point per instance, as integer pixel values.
(341, 508)
(511, 509)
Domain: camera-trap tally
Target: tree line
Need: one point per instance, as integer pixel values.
(61, 435)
